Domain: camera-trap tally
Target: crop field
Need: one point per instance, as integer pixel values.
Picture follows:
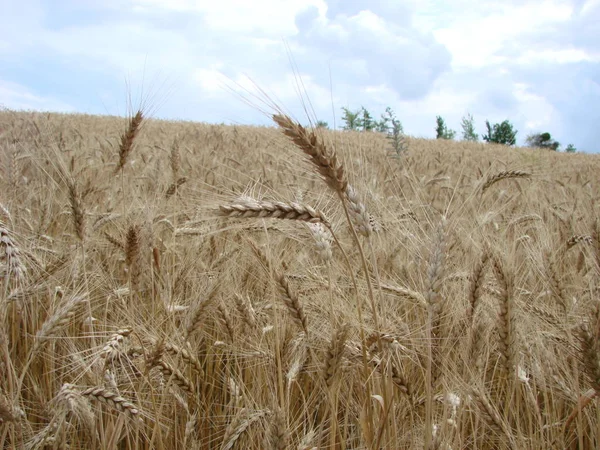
(175, 285)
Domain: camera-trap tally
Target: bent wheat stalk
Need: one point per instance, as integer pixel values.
(333, 173)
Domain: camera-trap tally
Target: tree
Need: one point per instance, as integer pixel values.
(500, 133)
(570, 148)
(442, 132)
(383, 126)
(542, 140)
(396, 134)
(351, 119)
(321, 124)
(367, 122)
(468, 127)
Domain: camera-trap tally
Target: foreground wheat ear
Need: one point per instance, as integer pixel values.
(153, 310)
(128, 138)
(324, 159)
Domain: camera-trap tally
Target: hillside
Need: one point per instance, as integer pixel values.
(203, 289)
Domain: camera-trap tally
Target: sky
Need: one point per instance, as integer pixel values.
(535, 63)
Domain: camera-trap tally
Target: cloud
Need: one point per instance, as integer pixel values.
(369, 49)
(16, 96)
(273, 18)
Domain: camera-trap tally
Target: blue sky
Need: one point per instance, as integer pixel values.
(536, 63)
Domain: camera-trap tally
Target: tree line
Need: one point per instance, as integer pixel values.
(499, 133)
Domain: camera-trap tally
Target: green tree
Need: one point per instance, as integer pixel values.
(352, 120)
(500, 133)
(387, 118)
(321, 124)
(367, 122)
(442, 132)
(395, 133)
(383, 125)
(468, 127)
(570, 148)
(542, 140)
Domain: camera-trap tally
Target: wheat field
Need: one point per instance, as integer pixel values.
(175, 285)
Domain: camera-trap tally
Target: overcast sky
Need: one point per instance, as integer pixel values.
(536, 63)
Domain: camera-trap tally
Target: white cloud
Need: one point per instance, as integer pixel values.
(590, 6)
(268, 17)
(534, 111)
(210, 80)
(477, 32)
(549, 56)
(15, 96)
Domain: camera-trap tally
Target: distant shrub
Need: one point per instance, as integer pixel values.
(500, 133)
(468, 127)
(442, 131)
(542, 140)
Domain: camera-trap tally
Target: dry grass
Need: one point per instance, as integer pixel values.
(188, 286)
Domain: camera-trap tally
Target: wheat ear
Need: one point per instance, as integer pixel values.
(358, 213)
(70, 398)
(175, 160)
(127, 139)
(12, 255)
(238, 426)
(171, 373)
(476, 285)
(493, 179)
(173, 187)
(77, 212)
(288, 296)
(278, 435)
(335, 352)
(248, 207)
(112, 347)
(185, 355)
(132, 253)
(324, 158)
(198, 312)
(506, 327)
(107, 397)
